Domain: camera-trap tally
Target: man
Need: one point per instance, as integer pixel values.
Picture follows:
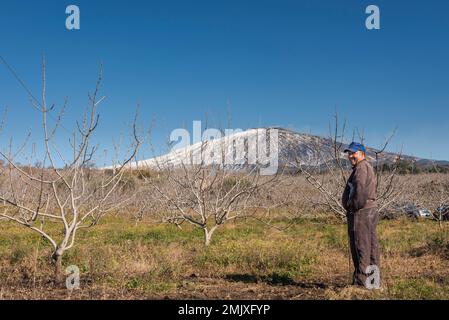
(359, 200)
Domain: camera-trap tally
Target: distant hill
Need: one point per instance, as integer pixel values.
(308, 150)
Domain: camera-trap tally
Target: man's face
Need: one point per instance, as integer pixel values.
(355, 157)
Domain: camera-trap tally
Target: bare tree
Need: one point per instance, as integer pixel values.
(431, 192)
(72, 195)
(208, 194)
(327, 171)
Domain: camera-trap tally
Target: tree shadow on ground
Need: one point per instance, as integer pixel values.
(275, 279)
(431, 249)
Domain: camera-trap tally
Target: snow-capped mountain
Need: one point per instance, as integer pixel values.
(268, 147)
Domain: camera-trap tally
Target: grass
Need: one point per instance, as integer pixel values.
(420, 289)
(119, 259)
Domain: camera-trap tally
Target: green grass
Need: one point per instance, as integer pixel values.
(155, 258)
(419, 289)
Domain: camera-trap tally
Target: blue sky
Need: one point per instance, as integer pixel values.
(264, 63)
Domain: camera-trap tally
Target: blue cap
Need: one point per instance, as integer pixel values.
(355, 146)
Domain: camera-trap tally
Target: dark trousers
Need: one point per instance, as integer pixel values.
(363, 242)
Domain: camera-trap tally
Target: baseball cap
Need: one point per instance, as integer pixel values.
(355, 146)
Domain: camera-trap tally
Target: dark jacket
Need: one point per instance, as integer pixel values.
(360, 190)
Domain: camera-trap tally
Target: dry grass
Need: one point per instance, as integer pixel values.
(246, 260)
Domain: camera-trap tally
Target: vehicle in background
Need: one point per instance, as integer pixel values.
(442, 213)
(407, 209)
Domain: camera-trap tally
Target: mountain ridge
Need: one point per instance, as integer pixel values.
(292, 148)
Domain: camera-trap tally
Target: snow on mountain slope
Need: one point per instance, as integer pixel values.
(265, 146)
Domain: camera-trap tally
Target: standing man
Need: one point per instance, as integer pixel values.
(359, 200)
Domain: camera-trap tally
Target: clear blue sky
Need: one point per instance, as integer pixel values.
(285, 63)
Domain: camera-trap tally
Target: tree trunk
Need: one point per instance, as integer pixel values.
(57, 261)
(208, 235)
